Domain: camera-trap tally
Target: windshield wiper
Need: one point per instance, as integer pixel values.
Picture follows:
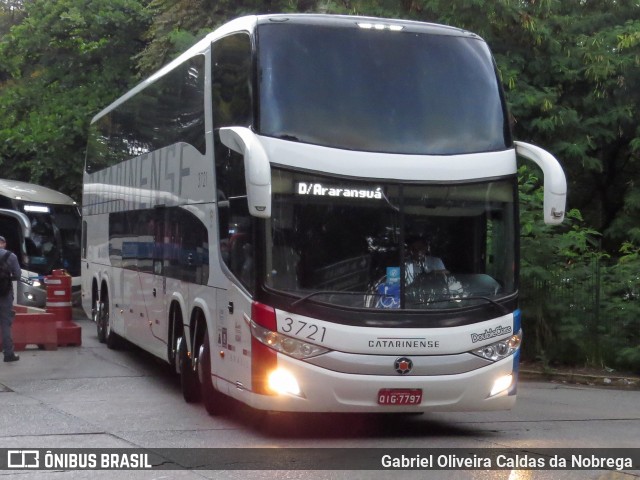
(501, 307)
(291, 138)
(325, 292)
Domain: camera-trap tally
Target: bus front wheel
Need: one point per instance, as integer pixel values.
(111, 338)
(188, 375)
(213, 400)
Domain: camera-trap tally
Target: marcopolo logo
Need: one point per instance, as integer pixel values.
(403, 365)
(490, 333)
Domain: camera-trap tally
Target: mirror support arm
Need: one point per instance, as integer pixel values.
(256, 165)
(555, 182)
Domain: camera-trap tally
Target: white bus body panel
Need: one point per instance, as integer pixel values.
(328, 391)
(390, 166)
(394, 341)
(233, 337)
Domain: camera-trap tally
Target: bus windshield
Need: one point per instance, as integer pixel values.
(382, 245)
(379, 90)
(55, 239)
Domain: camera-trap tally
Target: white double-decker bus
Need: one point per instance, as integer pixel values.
(315, 213)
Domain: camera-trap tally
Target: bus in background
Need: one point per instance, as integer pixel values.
(43, 228)
(315, 213)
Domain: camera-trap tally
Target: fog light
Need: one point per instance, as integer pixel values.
(281, 381)
(501, 384)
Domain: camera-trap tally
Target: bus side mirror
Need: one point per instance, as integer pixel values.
(555, 183)
(22, 221)
(19, 227)
(257, 169)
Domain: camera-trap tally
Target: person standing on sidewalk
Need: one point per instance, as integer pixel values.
(6, 302)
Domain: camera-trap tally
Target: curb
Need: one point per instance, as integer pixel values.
(613, 382)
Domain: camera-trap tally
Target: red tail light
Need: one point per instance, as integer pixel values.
(264, 315)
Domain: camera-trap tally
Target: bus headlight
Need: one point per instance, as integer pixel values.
(287, 345)
(32, 282)
(500, 349)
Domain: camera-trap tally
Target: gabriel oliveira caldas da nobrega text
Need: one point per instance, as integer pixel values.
(507, 461)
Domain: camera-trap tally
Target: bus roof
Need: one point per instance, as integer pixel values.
(249, 22)
(30, 192)
(364, 22)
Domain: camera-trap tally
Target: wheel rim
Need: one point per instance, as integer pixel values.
(106, 324)
(200, 363)
(96, 316)
(95, 312)
(178, 355)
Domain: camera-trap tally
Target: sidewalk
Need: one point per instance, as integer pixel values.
(580, 376)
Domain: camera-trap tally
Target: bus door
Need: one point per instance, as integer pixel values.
(156, 293)
(238, 249)
(150, 329)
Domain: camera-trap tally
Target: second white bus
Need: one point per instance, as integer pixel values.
(42, 227)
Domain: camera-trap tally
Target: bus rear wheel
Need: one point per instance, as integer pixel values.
(111, 338)
(96, 313)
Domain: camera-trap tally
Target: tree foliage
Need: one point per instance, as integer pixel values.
(580, 305)
(61, 64)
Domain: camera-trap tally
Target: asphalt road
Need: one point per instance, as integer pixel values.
(93, 397)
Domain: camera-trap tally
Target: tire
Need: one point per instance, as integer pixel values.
(174, 337)
(112, 339)
(96, 312)
(214, 401)
(188, 376)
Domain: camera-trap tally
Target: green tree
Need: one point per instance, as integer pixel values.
(560, 311)
(580, 306)
(621, 310)
(177, 24)
(11, 13)
(63, 62)
(571, 75)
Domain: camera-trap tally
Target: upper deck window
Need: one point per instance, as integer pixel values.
(379, 90)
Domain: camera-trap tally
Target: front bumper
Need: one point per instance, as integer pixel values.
(328, 391)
